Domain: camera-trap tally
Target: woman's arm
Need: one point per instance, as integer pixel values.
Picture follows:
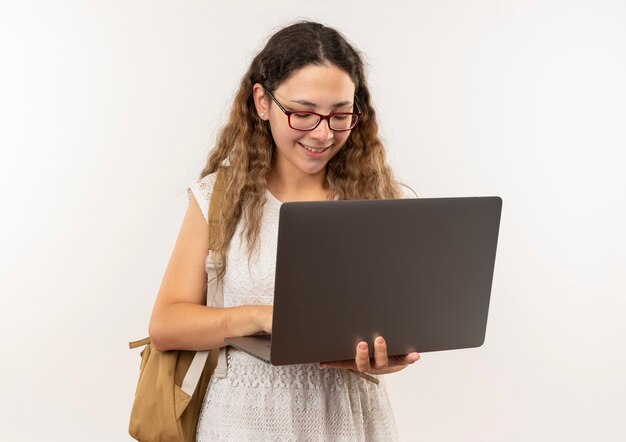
(180, 318)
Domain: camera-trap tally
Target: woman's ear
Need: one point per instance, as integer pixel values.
(261, 101)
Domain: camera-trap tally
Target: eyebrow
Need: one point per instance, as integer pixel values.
(309, 103)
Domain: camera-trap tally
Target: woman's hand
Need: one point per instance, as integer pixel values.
(382, 364)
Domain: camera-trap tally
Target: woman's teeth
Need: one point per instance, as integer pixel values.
(311, 149)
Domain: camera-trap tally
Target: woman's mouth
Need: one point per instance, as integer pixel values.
(314, 150)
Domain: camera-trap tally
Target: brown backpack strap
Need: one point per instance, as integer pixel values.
(135, 344)
(215, 207)
(214, 221)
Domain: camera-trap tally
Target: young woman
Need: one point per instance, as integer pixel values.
(301, 128)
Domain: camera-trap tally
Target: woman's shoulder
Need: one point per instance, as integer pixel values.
(201, 190)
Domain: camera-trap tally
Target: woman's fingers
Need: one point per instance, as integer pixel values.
(380, 364)
(380, 354)
(362, 358)
(412, 357)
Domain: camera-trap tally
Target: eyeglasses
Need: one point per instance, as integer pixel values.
(338, 121)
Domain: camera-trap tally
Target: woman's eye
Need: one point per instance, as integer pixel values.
(302, 115)
(340, 117)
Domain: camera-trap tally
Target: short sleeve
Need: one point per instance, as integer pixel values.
(201, 190)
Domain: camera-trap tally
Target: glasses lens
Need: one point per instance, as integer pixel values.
(343, 122)
(304, 121)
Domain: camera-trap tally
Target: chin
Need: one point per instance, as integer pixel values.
(312, 171)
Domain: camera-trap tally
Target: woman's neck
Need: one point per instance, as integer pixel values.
(301, 188)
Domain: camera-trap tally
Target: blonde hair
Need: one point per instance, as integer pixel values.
(358, 171)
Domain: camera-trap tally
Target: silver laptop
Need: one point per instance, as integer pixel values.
(416, 271)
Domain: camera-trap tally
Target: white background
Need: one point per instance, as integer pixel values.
(109, 108)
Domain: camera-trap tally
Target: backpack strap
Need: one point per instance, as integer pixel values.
(215, 207)
(214, 221)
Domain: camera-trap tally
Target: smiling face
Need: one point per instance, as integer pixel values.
(322, 89)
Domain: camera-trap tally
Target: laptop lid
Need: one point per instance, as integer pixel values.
(416, 271)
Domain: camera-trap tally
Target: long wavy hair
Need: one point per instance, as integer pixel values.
(245, 144)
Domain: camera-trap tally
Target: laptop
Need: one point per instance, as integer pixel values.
(416, 271)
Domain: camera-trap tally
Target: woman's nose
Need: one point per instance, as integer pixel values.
(322, 132)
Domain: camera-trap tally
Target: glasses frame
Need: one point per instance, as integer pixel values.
(322, 117)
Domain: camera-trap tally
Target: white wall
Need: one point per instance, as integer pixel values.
(107, 112)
